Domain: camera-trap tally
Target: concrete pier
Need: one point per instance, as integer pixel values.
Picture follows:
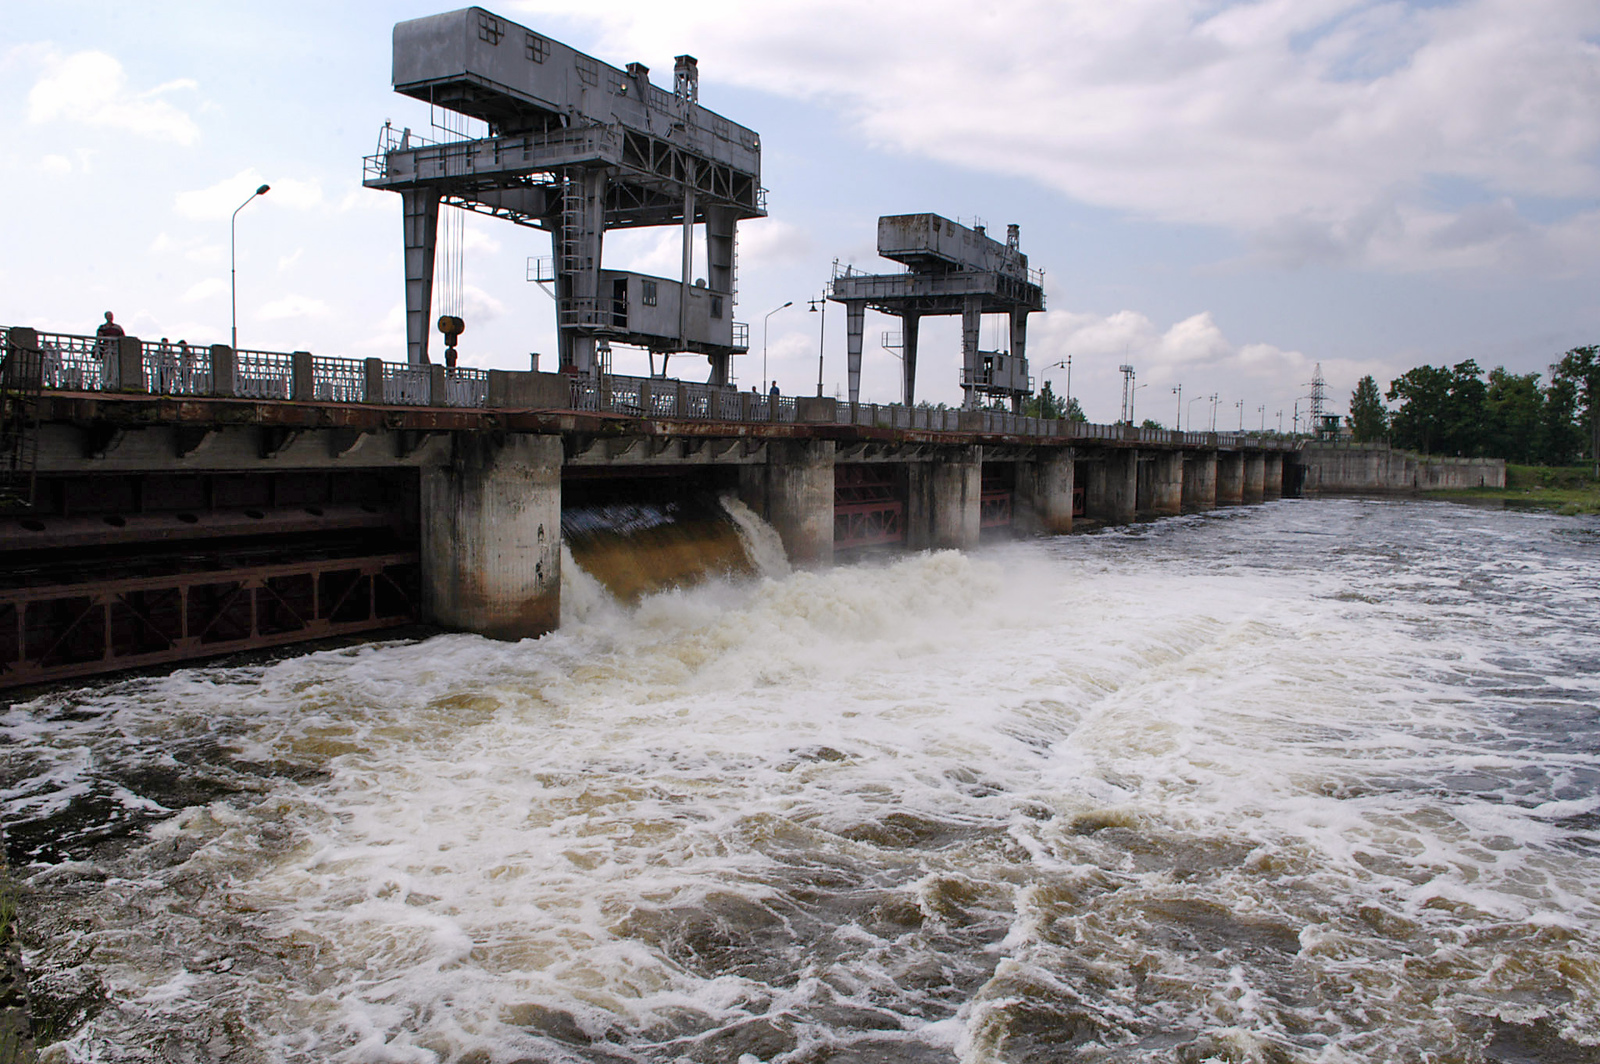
(1053, 484)
(1255, 476)
(796, 496)
(491, 536)
(1200, 481)
(1273, 487)
(1166, 482)
(1230, 478)
(956, 485)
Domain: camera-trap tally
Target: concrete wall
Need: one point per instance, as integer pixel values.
(794, 492)
(1377, 469)
(957, 484)
(1166, 482)
(1272, 487)
(1052, 492)
(1255, 478)
(1230, 478)
(1200, 481)
(491, 536)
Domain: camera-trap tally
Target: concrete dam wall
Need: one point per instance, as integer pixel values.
(1341, 468)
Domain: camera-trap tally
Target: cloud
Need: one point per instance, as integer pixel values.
(223, 198)
(1193, 354)
(1316, 130)
(207, 289)
(293, 306)
(91, 88)
(286, 261)
(55, 165)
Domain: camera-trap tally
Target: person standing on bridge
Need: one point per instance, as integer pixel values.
(108, 338)
(774, 391)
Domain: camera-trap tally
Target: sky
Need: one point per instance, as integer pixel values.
(1222, 195)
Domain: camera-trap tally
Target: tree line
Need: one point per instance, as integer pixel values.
(1455, 410)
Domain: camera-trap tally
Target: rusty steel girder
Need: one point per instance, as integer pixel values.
(63, 631)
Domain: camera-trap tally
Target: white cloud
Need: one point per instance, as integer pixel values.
(55, 165)
(207, 289)
(286, 261)
(1320, 130)
(293, 306)
(770, 242)
(91, 88)
(223, 198)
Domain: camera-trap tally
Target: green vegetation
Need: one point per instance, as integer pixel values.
(1454, 411)
(1048, 404)
(1564, 489)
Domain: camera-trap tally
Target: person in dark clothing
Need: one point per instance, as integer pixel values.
(774, 392)
(107, 337)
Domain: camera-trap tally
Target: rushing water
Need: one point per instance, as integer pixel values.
(1313, 781)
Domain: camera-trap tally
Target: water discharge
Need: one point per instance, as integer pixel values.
(1314, 781)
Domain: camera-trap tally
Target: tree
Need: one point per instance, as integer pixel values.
(1560, 436)
(1581, 366)
(1368, 419)
(1514, 424)
(1151, 423)
(1046, 404)
(1075, 412)
(1421, 420)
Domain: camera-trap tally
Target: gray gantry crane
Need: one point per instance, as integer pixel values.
(574, 147)
(952, 269)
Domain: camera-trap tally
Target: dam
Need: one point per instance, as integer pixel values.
(237, 500)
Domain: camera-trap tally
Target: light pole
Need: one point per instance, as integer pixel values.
(1178, 391)
(233, 259)
(1280, 423)
(764, 322)
(1214, 397)
(1240, 405)
(1262, 410)
(1066, 402)
(822, 333)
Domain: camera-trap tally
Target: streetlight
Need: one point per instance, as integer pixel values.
(1066, 402)
(1193, 401)
(233, 259)
(764, 321)
(1214, 397)
(1178, 391)
(1240, 405)
(822, 332)
(1262, 410)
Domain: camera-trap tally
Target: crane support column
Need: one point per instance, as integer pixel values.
(908, 353)
(420, 207)
(971, 323)
(855, 314)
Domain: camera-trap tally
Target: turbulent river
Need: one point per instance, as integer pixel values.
(1311, 781)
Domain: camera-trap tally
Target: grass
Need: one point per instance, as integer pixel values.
(1565, 489)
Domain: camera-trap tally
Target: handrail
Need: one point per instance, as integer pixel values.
(78, 363)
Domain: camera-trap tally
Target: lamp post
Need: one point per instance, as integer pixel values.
(1214, 398)
(1066, 402)
(1262, 410)
(233, 259)
(764, 322)
(1240, 404)
(1193, 401)
(1178, 391)
(822, 332)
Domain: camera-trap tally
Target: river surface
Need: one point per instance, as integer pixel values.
(1310, 781)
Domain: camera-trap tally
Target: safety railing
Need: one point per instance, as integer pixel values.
(407, 385)
(91, 363)
(465, 386)
(338, 380)
(263, 375)
(78, 363)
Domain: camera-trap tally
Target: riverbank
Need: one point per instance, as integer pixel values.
(1564, 489)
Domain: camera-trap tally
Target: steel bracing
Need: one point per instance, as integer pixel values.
(574, 148)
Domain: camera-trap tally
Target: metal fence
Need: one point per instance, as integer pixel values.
(263, 375)
(89, 363)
